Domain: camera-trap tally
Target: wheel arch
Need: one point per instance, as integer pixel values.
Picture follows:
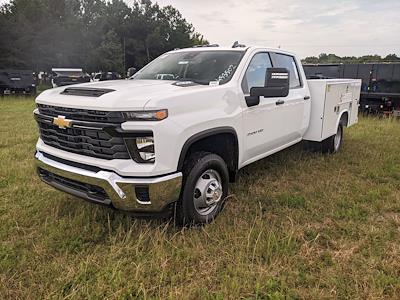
(222, 141)
(343, 119)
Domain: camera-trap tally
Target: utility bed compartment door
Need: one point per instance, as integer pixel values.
(356, 86)
(330, 98)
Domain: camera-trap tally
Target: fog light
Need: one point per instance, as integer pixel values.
(145, 146)
(141, 149)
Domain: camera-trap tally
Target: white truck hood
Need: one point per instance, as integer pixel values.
(127, 94)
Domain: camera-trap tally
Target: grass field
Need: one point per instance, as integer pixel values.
(297, 225)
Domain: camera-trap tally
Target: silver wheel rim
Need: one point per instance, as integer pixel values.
(338, 139)
(208, 192)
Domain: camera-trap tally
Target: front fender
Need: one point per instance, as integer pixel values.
(202, 135)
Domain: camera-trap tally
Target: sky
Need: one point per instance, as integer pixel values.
(307, 27)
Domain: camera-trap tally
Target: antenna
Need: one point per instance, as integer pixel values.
(237, 45)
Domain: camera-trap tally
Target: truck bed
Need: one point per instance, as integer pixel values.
(330, 99)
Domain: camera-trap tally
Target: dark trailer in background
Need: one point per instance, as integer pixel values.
(17, 82)
(380, 89)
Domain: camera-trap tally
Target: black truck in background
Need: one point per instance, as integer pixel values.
(380, 89)
(68, 76)
(17, 82)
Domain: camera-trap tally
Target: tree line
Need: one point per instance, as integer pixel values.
(324, 58)
(90, 34)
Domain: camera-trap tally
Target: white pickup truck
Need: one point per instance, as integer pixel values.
(172, 137)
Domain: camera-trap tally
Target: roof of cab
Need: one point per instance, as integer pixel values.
(193, 49)
(239, 49)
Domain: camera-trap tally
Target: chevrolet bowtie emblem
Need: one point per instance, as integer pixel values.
(61, 122)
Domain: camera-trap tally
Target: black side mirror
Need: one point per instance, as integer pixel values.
(276, 85)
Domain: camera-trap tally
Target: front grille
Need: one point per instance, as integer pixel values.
(92, 192)
(114, 117)
(90, 142)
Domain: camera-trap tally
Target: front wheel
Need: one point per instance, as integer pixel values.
(333, 143)
(205, 187)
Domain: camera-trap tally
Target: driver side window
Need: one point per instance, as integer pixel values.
(255, 73)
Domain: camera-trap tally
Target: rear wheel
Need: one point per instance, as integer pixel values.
(333, 143)
(205, 187)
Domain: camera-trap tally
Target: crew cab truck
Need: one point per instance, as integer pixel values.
(171, 138)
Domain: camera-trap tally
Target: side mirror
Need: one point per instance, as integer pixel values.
(276, 85)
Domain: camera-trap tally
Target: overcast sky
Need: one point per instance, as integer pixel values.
(307, 27)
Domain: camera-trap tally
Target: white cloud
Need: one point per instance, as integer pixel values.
(308, 27)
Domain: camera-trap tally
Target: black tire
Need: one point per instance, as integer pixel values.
(333, 143)
(200, 168)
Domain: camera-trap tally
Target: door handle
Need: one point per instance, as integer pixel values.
(280, 102)
(306, 97)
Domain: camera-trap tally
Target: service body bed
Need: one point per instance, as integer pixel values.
(331, 98)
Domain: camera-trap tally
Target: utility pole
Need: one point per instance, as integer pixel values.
(124, 59)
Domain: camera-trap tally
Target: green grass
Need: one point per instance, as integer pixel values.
(297, 225)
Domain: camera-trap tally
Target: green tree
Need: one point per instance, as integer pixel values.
(392, 58)
(93, 34)
(324, 58)
(109, 54)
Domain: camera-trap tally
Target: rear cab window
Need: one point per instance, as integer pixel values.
(281, 60)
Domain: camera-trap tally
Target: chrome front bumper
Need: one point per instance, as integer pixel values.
(120, 191)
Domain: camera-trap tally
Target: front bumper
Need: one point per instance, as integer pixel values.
(137, 195)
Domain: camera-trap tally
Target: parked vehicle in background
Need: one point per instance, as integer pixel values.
(172, 137)
(17, 82)
(66, 76)
(103, 76)
(380, 90)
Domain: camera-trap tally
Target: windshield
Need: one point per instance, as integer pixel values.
(203, 67)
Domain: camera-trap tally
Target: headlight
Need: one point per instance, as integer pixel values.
(141, 149)
(150, 115)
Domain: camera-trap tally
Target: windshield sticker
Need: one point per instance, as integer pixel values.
(226, 74)
(213, 83)
(183, 62)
